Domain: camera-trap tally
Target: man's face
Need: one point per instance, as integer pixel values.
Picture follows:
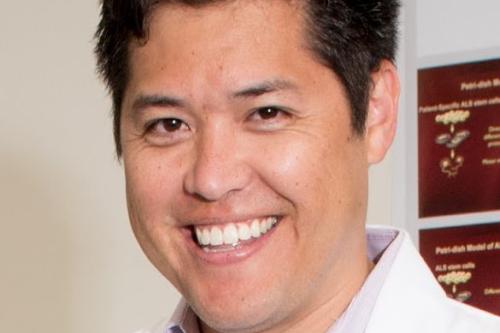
(230, 126)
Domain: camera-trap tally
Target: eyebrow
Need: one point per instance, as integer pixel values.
(264, 88)
(144, 101)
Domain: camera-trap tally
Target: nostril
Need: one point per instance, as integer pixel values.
(202, 198)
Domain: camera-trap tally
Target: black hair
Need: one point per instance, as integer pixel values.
(351, 37)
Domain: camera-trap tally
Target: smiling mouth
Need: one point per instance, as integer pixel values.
(230, 236)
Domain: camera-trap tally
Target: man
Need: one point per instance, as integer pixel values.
(246, 129)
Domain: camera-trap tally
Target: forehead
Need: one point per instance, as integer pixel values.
(212, 38)
(218, 17)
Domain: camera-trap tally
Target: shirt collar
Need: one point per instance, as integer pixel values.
(382, 247)
(183, 320)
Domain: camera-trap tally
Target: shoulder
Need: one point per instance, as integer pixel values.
(412, 301)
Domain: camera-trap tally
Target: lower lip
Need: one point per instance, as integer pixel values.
(240, 252)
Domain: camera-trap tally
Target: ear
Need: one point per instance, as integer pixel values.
(382, 111)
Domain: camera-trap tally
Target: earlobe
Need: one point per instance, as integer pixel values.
(382, 111)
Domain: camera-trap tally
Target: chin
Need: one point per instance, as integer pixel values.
(249, 321)
(242, 314)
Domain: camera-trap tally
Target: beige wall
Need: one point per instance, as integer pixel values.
(68, 261)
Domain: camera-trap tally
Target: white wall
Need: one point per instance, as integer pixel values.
(68, 261)
(449, 26)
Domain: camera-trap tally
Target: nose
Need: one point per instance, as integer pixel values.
(218, 167)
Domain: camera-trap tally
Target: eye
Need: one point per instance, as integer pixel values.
(167, 125)
(166, 131)
(268, 112)
(269, 118)
(171, 125)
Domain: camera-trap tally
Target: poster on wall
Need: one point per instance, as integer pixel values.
(459, 139)
(465, 261)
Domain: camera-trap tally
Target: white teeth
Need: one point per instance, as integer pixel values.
(269, 223)
(205, 237)
(231, 233)
(199, 235)
(263, 226)
(216, 237)
(244, 232)
(255, 229)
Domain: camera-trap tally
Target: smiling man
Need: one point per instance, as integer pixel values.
(246, 129)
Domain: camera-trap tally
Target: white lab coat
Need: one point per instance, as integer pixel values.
(412, 301)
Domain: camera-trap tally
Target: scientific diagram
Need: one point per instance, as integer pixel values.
(458, 151)
(455, 278)
(452, 139)
(465, 261)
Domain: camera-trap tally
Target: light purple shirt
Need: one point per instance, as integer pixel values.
(382, 247)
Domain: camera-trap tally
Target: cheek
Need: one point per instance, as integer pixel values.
(305, 171)
(151, 182)
(150, 185)
(322, 181)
